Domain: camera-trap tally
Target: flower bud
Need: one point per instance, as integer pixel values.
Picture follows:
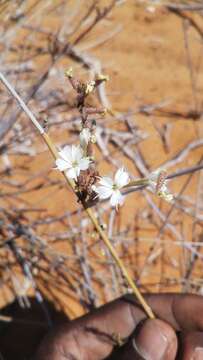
(69, 72)
(89, 87)
(85, 137)
(102, 77)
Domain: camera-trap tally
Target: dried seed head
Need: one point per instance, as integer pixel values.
(161, 179)
(158, 184)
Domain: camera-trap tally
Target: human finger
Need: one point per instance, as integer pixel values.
(155, 340)
(97, 333)
(191, 346)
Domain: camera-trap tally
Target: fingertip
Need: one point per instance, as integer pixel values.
(156, 341)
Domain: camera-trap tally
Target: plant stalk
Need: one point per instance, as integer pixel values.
(88, 211)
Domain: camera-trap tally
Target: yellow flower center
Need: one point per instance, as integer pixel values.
(114, 187)
(74, 164)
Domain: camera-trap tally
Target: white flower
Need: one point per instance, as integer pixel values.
(111, 188)
(85, 136)
(72, 161)
(158, 185)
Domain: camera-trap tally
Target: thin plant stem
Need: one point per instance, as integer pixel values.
(88, 211)
(145, 181)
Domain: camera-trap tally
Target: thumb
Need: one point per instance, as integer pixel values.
(156, 340)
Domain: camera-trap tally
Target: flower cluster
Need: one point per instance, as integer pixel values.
(72, 160)
(76, 158)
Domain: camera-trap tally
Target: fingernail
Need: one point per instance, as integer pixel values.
(198, 354)
(157, 351)
(156, 340)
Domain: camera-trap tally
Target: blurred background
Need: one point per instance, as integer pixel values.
(53, 265)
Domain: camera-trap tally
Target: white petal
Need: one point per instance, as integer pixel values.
(62, 164)
(116, 198)
(77, 153)
(121, 178)
(84, 163)
(106, 181)
(77, 169)
(65, 153)
(103, 192)
(72, 173)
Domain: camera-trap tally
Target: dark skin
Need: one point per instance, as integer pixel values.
(120, 330)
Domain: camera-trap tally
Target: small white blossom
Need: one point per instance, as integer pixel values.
(72, 161)
(109, 188)
(85, 137)
(158, 185)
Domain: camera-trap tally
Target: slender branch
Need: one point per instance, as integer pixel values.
(184, 7)
(22, 104)
(139, 184)
(185, 171)
(88, 211)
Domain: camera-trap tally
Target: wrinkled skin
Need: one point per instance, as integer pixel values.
(120, 330)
